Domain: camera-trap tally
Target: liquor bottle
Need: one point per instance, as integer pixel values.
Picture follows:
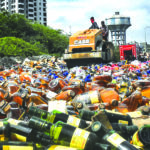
(126, 131)
(110, 96)
(74, 88)
(67, 135)
(25, 133)
(11, 112)
(133, 101)
(10, 86)
(33, 98)
(103, 78)
(2, 93)
(90, 97)
(65, 95)
(16, 145)
(56, 85)
(111, 137)
(141, 137)
(55, 116)
(114, 117)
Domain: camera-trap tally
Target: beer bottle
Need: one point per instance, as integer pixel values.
(65, 134)
(55, 116)
(141, 137)
(111, 137)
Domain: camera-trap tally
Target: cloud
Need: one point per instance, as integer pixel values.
(73, 15)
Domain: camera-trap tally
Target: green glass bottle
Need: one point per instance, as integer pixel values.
(142, 137)
(56, 115)
(65, 134)
(111, 137)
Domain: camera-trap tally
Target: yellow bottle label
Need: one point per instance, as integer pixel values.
(56, 133)
(58, 147)
(94, 97)
(7, 108)
(13, 121)
(1, 124)
(12, 147)
(115, 139)
(135, 114)
(51, 118)
(136, 141)
(74, 121)
(17, 137)
(79, 138)
(123, 122)
(3, 138)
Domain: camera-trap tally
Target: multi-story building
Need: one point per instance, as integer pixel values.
(34, 10)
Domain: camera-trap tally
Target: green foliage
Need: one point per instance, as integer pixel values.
(11, 46)
(45, 39)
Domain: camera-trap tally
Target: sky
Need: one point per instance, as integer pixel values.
(74, 15)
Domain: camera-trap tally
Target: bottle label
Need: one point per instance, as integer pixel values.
(17, 137)
(13, 121)
(135, 114)
(115, 139)
(79, 138)
(7, 108)
(94, 97)
(123, 122)
(12, 147)
(2, 137)
(73, 121)
(58, 147)
(136, 141)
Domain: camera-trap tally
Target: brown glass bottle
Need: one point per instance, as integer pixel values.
(56, 85)
(90, 97)
(11, 112)
(65, 95)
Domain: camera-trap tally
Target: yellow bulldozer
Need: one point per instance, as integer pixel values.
(88, 47)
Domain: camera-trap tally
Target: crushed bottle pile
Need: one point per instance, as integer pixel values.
(46, 106)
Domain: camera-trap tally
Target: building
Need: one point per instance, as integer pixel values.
(117, 25)
(34, 10)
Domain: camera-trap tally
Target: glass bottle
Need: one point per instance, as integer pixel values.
(111, 137)
(141, 137)
(90, 97)
(65, 134)
(55, 116)
(65, 95)
(11, 112)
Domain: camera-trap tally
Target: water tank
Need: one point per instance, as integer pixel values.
(118, 24)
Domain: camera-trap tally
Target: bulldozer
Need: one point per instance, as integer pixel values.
(88, 47)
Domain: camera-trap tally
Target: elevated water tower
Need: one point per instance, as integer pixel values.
(118, 25)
